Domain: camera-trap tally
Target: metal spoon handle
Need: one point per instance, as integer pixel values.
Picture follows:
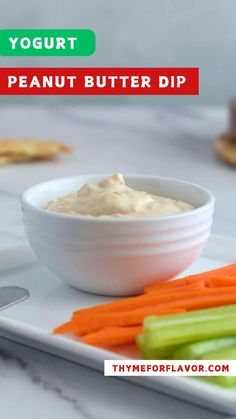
(12, 295)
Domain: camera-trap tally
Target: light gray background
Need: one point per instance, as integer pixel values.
(154, 33)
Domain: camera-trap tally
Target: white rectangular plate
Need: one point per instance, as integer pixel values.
(51, 303)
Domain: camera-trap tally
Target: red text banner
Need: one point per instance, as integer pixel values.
(99, 81)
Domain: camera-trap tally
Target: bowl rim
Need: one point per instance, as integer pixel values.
(124, 219)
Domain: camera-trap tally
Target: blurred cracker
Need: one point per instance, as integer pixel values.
(4, 160)
(14, 158)
(225, 148)
(29, 149)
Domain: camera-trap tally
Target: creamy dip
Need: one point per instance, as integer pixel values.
(111, 197)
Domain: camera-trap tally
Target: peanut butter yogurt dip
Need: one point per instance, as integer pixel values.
(111, 197)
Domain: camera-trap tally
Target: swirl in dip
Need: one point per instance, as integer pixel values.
(111, 197)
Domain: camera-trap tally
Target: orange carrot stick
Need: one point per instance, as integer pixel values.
(208, 297)
(111, 336)
(132, 303)
(225, 270)
(67, 327)
(204, 301)
(198, 285)
(173, 284)
(150, 299)
(221, 281)
(136, 317)
(121, 318)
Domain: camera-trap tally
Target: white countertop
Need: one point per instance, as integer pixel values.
(169, 142)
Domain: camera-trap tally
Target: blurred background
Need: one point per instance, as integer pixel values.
(132, 33)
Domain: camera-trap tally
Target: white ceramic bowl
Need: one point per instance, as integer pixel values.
(117, 256)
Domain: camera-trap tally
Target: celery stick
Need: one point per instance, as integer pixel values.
(227, 354)
(148, 353)
(187, 333)
(224, 380)
(198, 349)
(140, 341)
(165, 353)
(189, 317)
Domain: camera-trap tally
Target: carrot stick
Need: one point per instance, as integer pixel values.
(123, 318)
(192, 300)
(142, 301)
(221, 281)
(151, 299)
(225, 270)
(67, 327)
(204, 301)
(111, 336)
(198, 285)
(176, 283)
(136, 317)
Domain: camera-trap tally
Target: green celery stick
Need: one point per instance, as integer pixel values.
(198, 349)
(223, 381)
(140, 341)
(187, 333)
(148, 353)
(189, 317)
(227, 354)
